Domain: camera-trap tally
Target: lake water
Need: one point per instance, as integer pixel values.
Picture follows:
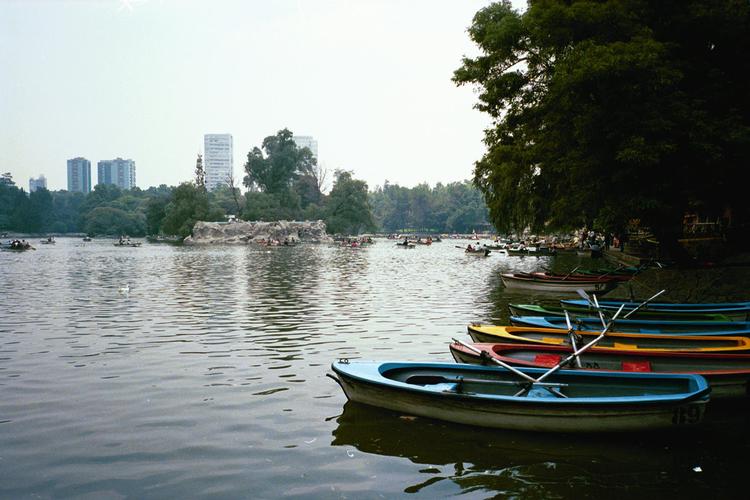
(207, 379)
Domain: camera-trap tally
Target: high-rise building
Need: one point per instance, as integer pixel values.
(79, 175)
(119, 172)
(306, 141)
(218, 160)
(39, 182)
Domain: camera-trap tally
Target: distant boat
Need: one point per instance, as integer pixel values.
(86, 238)
(511, 280)
(478, 252)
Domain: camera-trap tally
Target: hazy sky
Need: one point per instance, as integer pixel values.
(145, 79)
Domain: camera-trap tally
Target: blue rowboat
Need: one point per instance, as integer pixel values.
(736, 311)
(486, 396)
(739, 328)
(552, 310)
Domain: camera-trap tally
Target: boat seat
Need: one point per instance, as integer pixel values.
(547, 359)
(636, 366)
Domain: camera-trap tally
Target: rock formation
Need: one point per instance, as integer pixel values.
(242, 233)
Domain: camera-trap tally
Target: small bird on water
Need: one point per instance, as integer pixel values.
(124, 289)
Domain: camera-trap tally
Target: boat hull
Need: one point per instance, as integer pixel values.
(547, 285)
(600, 414)
(736, 311)
(621, 341)
(728, 374)
(735, 328)
(537, 310)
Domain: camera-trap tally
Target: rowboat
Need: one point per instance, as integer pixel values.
(496, 246)
(548, 285)
(592, 401)
(482, 252)
(630, 271)
(552, 310)
(135, 244)
(408, 245)
(640, 325)
(575, 276)
(617, 340)
(728, 374)
(531, 251)
(737, 311)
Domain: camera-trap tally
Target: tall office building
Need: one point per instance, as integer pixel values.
(79, 175)
(119, 172)
(306, 141)
(39, 182)
(218, 160)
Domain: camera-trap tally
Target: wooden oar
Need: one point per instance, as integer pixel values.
(611, 271)
(528, 378)
(576, 352)
(571, 272)
(572, 335)
(595, 302)
(440, 379)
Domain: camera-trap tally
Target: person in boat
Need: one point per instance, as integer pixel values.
(469, 248)
(406, 241)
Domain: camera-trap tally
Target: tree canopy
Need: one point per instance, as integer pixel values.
(348, 209)
(605, 111)
(457, 207)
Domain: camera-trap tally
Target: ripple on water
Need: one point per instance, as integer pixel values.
(208, 378)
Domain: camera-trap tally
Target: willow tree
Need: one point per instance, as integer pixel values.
(611, 110)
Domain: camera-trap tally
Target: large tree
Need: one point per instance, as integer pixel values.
(188, 205)
(611, 110)
(348, 210)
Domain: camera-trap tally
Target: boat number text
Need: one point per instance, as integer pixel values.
(686, 415)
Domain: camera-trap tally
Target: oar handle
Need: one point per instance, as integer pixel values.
(529, 379)
(582, 349)
(643, 304)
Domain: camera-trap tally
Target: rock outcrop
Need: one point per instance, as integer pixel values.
(242, 233)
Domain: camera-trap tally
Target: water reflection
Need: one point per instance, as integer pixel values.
(539, 465)
(207, 378)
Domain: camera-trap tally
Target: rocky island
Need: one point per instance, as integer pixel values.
(243, 232)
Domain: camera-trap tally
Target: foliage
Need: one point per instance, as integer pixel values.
(229, 199)
(348, 210)
(457, 207)
(200, 173)
(114, 221)
(611, 110)
(285, 172)
(156, 211)
(188, 205)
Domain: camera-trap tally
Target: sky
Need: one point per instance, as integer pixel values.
(370, 80)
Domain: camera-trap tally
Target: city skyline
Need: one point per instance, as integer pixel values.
(370, 80)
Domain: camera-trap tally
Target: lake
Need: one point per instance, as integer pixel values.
(175, 372)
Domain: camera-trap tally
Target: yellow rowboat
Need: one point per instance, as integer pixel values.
(619, 341)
